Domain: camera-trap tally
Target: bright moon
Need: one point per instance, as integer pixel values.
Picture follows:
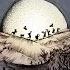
(30, 18)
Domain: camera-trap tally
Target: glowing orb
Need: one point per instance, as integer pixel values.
(34, 19)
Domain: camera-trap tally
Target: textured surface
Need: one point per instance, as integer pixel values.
(59, 58)
(63, 61)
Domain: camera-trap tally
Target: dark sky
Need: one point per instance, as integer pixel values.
(63, 4)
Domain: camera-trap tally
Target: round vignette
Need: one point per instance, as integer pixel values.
(37, 16)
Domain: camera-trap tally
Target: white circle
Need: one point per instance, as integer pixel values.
(36, 15)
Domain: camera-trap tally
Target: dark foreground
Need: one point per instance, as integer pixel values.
(59, 60)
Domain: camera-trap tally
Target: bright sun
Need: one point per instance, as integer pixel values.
(34, 19)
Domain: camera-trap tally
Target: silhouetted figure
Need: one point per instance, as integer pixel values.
(25, 27)
(51, 25)
(3, 68)
(44, 32)
(58, 30)
(53, 30)
(37, 36)
(15, 31)
(21, 35)
(31, 62)
(29, 34)
(48, 32)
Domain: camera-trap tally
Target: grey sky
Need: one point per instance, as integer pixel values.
(64, 4)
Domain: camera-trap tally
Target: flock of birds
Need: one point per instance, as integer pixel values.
(37, 36)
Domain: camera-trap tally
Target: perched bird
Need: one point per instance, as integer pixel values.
(29, 34)
(21, 35)
(37, 36)
(48, 32)
(58, 30)
(53, 30)
(25, 27)
(15, 31)
(44, 32)
(51, 25)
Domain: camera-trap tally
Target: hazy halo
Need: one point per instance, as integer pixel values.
(36, 15)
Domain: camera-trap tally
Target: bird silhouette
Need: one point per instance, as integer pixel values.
(25, 27)
(44, 32)
(53, 30)
(29, 34)
(48, 32)
(51, 25)
(15, 31)
(37, 36)
(21, 35)
(58, 30)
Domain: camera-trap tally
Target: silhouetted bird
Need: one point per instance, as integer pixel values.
(44, 34)
(58, 30)
(25, 27)
(53, 30)
(21, 35)
(37, 36)
(15, 31)
(51, 25)
(29, 34)
(48, 32)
